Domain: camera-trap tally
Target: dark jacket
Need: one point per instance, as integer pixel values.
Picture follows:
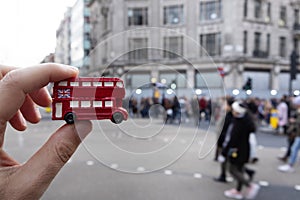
(227, 121)
(238, 147)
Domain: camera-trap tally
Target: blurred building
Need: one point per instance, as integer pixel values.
(80, 34)
(63, 40)
(49, 58)
(245, 38)
(73, 36)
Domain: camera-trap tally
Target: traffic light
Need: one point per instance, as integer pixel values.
(294, 63)
(248, 84)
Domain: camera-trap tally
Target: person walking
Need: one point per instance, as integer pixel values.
(296, 145)
(237, 152)
(226, 129)
(282, 109)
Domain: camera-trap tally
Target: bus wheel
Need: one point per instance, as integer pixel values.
(117, 118)
(69, 118)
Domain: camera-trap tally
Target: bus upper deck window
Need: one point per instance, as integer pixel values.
(86, 83)
(74, 104)
(120, 84)
(108, 84)
(97, 84)
(85, 104)
(108, 104)
(97, 104)
(63, 83)
(74, 83)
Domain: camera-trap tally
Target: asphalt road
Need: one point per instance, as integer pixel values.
(146, 159)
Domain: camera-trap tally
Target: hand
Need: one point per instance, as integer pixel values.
(292, 120)
(221, 159)
(21, 89)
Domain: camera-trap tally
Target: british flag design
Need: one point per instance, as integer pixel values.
(64, 93)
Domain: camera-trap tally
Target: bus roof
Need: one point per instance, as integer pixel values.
(103, 79)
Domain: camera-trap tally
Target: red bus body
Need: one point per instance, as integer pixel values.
(85, 98)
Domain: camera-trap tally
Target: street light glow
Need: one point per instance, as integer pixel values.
(169, 91)
(198, 92)
(273, 92)
(296, 92)
(173, 86)
(153, 80)
(249, 92)
(163, 81)
(138, 91)
(235, 92)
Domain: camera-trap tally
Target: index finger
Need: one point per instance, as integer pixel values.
(17, 83)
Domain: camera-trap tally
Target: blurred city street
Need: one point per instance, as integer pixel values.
(165, 62)
(189, 177)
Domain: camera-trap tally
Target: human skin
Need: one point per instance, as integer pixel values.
(21, 89)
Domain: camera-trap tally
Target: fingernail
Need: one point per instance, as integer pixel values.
(74, 68)
(38, 114)
(23, 121)
(70, 67)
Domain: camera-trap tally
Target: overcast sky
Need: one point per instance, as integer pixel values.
(28, 28)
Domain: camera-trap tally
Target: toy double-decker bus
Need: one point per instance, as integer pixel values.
(85, 98)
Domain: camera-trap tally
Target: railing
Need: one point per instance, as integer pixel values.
(260, 54)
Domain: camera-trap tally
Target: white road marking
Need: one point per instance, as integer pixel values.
(197, 175)
(90, 163)
(297, 187)
(168, 172)
(263, 183)
(114, 166)
(140, 169)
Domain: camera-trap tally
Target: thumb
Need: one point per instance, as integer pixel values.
(43, 166)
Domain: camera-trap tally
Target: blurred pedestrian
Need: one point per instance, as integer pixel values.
(176, 110)
(168, 116)
(282, 109)
(237, 152)
(184, 109)
(222, 139)
(133, 107)
(195, 110)
(145, 107)
(202, 107)
(296, 145)
(291, 134)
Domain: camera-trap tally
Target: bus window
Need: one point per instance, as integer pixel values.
(120, 84)
(74, 104)
(58, 109)
(97, 84)
(74, 83)
(108, 84)
(85, 104)
(63, 83)
(108, 104)
(86, 83)
(97, 104)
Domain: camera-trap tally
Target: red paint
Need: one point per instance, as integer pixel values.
(86, 98)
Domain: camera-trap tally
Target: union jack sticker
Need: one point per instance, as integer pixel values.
(64, 93)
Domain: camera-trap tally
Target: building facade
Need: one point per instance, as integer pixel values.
(63, 44)
(80, 35)
(184, 41)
